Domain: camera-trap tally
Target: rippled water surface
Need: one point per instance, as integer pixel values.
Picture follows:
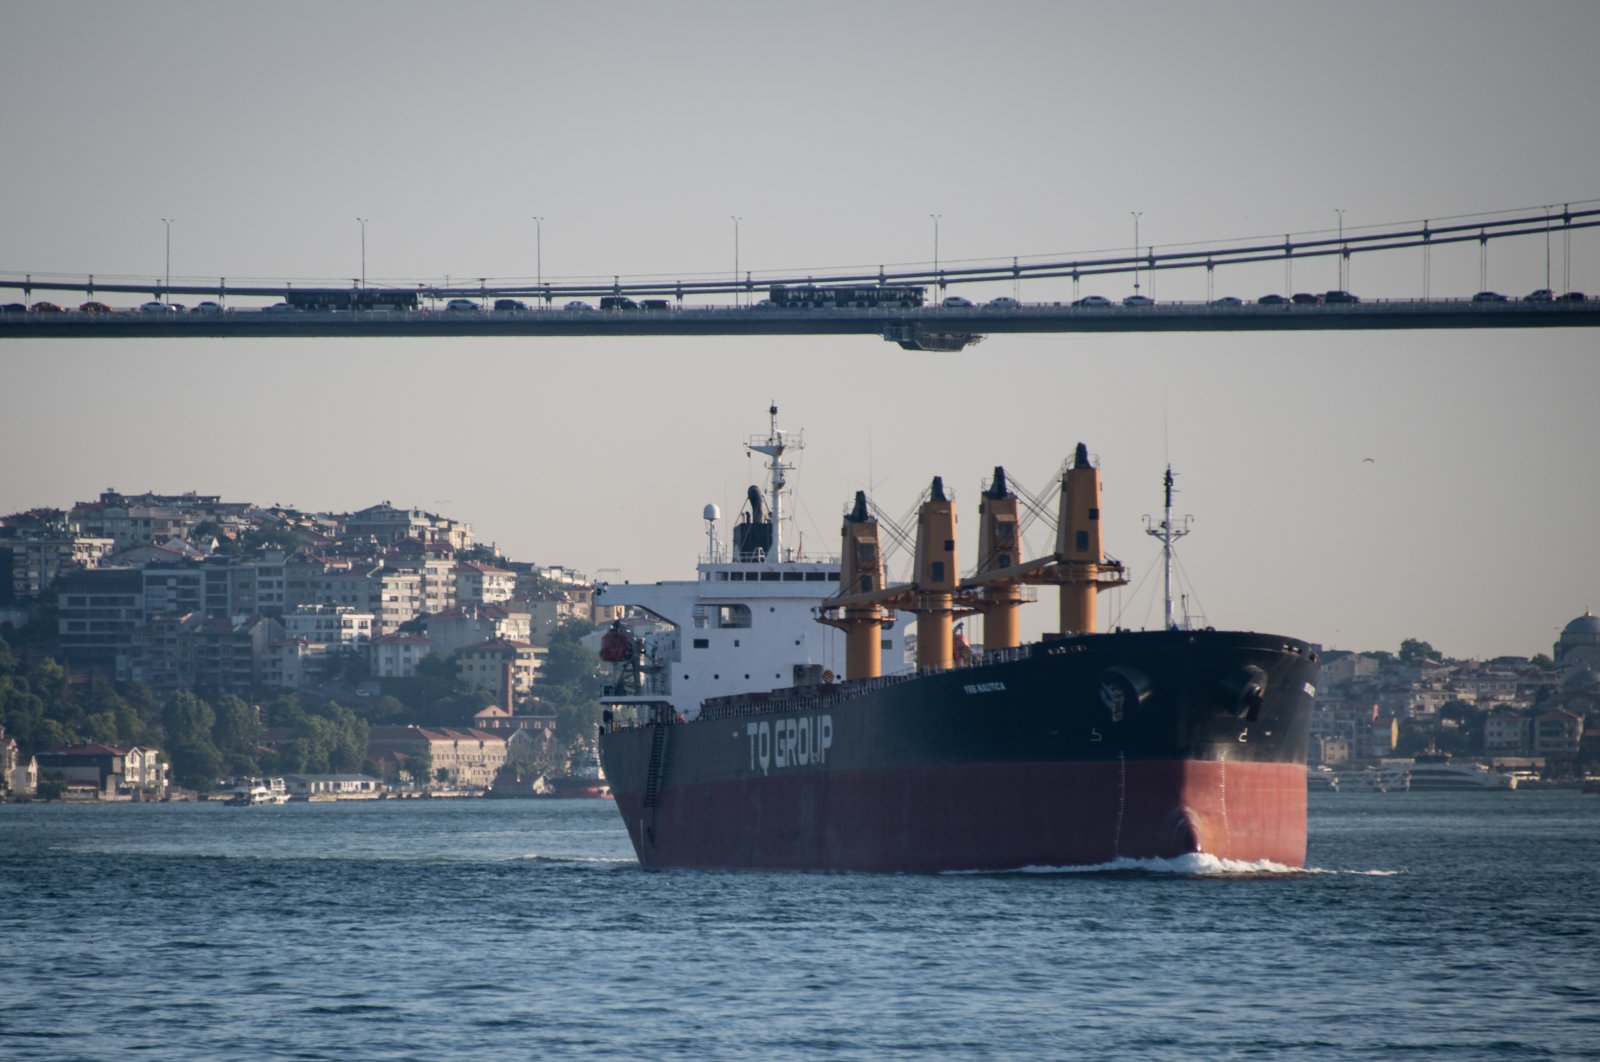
(1431, 926)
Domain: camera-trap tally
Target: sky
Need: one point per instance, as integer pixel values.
(638, 131)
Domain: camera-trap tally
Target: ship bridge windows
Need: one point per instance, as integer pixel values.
(770, 577)
(794, 577)
(733, 616)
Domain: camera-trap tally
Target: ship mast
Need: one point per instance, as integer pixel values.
(773, 446)
(1168, 533)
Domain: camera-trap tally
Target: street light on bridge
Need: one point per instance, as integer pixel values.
(1344, 257)
(736, 219)
(936, 218)
(363, 222)
(166, 287)
(538, 252)
(1137, 214)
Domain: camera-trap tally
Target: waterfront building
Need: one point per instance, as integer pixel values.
(332, 786)
(104, 771)
(1556, 733)
(462, 757)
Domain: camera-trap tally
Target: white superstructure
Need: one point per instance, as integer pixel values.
(747, 621)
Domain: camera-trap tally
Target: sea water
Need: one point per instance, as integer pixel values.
(1459, 925)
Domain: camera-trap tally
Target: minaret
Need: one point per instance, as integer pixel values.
(998, 542)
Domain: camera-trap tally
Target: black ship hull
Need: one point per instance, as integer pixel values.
(1070, 752)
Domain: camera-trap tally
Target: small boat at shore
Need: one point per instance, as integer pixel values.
(255, 792)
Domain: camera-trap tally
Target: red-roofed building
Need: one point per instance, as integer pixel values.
(467, 758)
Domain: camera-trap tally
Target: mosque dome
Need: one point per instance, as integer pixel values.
(1586, 626)
(1579, 645)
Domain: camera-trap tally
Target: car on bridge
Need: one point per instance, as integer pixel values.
(1138, 301)
(460, 306)
(1306, 298)
(94, 307)
(956, 302)
(509, 305)
(1227, 300)
(208, 306)
(1542, 295)
(47, 307)
(577, 306)
(1572, 296)
(1334, 298)
(1004, 302)
(1092, 300)
(156, 306)
(1272, 300)
(278, 307)
(14, 307)
(1489, 296)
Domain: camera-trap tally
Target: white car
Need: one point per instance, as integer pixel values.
(460, 306)
(956, 302)
(577, 305)
(1004, 302)
(155, 306)
(208, 306)
(1138, 300)
(278, 307)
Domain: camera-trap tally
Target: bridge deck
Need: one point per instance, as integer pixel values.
(731, 321)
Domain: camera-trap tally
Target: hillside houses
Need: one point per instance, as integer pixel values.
(187, 592)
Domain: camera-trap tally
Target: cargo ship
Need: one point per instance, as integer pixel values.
(1083, 748)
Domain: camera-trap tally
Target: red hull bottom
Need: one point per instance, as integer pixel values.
(982, 817)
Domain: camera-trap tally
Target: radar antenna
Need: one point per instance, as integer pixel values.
(1168, 533)
(776, 442)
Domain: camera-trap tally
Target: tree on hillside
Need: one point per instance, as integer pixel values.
(570, 681)
(1413, 649)
(187, 721)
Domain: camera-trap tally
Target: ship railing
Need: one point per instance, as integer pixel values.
(811, 699)
(984, 657)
